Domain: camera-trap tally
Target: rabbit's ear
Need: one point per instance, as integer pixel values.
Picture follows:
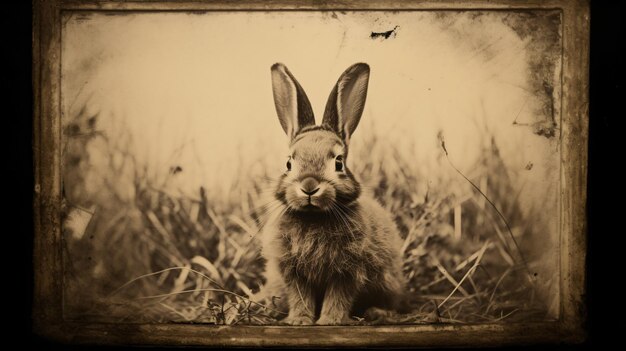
(347, 100)
(292, 105)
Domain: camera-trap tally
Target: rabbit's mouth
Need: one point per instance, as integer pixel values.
(312, 204)
(311, 207)
(310, 200)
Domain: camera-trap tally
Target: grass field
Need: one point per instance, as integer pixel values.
(138, 252)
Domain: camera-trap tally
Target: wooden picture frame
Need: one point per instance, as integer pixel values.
(48, 297)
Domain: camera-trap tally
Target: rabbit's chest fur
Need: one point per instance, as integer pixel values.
(320, 253)
(316, 251)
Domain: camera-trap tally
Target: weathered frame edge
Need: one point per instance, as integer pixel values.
(48, 301)
(47, 295)
(574, 162)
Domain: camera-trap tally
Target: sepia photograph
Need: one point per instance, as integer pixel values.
(334, 167)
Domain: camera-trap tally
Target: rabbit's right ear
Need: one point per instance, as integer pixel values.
(292, 105)
(347, 100)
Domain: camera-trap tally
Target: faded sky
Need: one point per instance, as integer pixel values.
(203, 81)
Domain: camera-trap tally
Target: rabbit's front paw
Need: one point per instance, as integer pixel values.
(298, 320)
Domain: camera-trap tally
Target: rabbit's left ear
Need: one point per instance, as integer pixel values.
(347, 100)
(292, 105)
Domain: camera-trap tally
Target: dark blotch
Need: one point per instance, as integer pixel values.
(385, 35)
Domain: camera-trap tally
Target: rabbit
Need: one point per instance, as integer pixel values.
(332, 251)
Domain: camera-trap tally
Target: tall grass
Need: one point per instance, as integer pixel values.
(148, 254)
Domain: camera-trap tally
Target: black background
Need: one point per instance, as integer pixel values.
(606, 206)
(606, 250)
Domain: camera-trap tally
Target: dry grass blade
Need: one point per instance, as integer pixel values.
(495, 288)
(469, 272)
(206, 264)
(241, 285)
(460, 301)
(179, 283)
(493, 320)
(241, 223)
(157, 273)
(449, 277)
(158, 225)
(503, 245)
(172, 309)
(221, 245)
(458, 267)
(466, 261)
(167, 251)
(506, 315)
(239, 251)
(213, 290)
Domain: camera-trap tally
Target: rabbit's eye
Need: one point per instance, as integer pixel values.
(339, 163)
(289, 165)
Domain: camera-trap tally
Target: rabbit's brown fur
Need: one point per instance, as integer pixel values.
(332, 251)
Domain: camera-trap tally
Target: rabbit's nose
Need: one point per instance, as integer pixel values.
(310, 192)
(309, 186)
